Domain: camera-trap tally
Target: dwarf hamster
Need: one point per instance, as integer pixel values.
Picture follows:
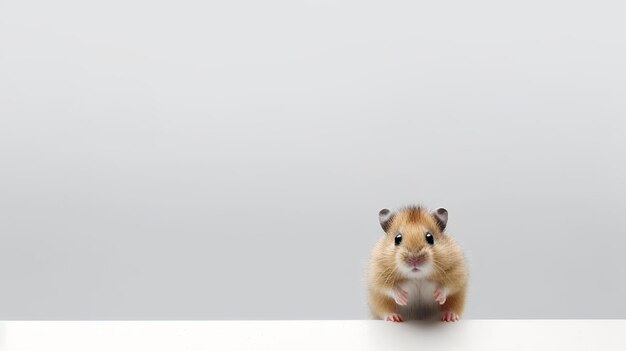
(417, 271)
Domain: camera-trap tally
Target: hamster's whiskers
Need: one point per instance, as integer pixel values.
(441, 271)
(392, 275)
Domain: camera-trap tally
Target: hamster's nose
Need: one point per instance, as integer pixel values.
(415, 260)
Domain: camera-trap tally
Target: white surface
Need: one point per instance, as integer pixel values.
(314, 335)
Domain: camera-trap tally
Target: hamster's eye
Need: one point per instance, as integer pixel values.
(430, 238)
(398, 239)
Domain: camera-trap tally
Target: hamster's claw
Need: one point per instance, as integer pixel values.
(400, 296)
(440, 295)
(449, 316)
(394, 317)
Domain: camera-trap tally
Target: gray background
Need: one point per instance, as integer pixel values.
(227, 159)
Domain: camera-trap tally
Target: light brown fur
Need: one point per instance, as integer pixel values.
(449, 269)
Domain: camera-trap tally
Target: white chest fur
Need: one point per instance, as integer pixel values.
(421, 304)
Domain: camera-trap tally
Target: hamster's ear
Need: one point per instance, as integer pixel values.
(384, 217)
(441, 216)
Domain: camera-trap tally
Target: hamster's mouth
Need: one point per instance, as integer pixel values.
(415, 269)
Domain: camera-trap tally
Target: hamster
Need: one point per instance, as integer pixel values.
(417, 271)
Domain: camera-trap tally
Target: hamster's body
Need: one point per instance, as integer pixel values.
(421, 304)
(417, 271)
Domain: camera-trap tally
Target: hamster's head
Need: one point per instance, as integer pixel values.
(414, 238)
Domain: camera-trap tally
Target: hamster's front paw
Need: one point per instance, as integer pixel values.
(449, 316)
(394, 317)
(440, 294)
(401, 296)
